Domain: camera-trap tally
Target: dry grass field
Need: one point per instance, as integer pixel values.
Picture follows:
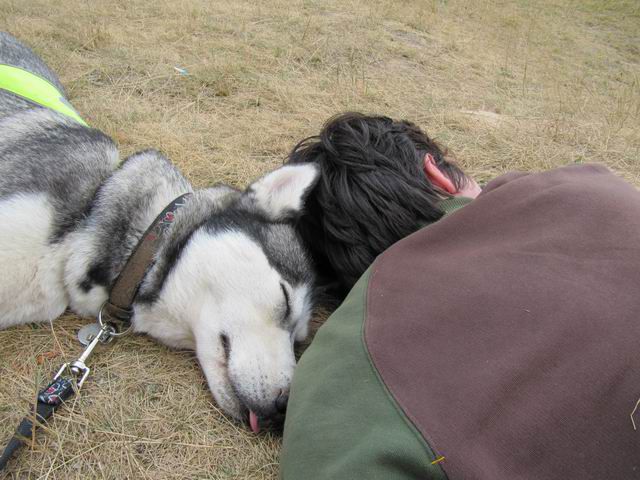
(505, 84)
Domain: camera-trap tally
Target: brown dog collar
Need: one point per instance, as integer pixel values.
(119, 306)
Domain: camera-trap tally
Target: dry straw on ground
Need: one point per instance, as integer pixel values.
(507, 85)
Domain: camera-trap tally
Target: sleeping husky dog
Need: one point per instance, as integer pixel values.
(231, 280)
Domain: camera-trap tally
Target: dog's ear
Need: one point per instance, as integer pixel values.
(280, 194)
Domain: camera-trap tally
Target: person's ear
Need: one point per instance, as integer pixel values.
(436, 176)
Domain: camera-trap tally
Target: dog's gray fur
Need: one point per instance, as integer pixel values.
(96, 210)
(16, 54)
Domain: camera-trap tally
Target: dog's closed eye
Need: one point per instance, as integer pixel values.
(287, 302)
(226, 346)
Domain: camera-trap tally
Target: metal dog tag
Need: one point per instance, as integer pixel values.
(88, 333)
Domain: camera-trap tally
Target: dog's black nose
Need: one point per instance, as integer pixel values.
(281, 401)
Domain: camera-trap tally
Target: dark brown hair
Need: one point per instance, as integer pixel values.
(372, 191)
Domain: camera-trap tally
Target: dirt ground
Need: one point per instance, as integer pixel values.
(226, 89)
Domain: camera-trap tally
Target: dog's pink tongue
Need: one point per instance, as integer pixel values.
(253, 421)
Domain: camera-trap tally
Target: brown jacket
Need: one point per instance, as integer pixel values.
(509, 332)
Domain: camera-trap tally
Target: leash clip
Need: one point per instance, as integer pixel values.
(78, 367)
(103, 324)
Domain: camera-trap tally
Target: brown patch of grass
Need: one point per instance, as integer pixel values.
(506, 85)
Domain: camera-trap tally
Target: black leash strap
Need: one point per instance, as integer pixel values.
(119, 306)
(49, 399)
(65, 384)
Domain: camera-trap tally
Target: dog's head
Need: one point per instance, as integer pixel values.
(238, 288)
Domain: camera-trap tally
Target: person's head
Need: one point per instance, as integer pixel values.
(380, 180)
